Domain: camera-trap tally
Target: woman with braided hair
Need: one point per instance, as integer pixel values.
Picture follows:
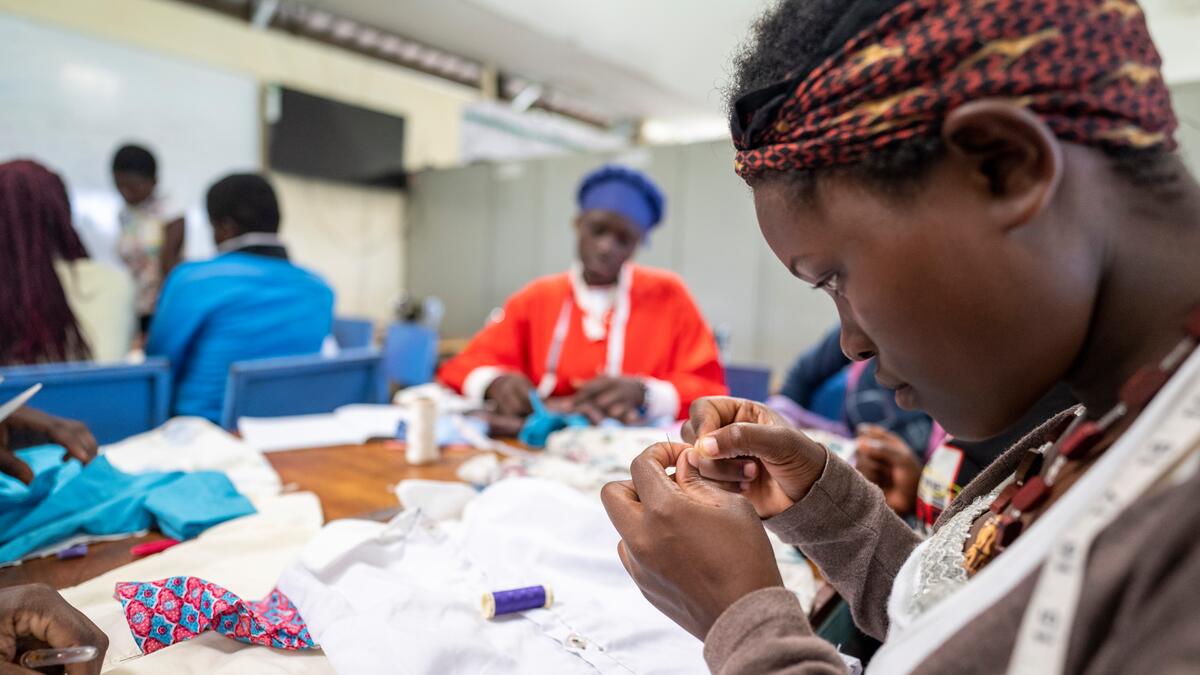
(56, 304)
(988, 192)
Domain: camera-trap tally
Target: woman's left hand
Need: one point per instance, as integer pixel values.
(887, 461)
(620, 398)
(73, 435)
(693, 548)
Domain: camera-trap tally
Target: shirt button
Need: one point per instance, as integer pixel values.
(576, 641)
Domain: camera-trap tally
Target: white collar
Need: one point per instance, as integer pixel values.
(595, 301)
(249, 239)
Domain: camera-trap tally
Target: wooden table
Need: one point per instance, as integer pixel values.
(350, 481)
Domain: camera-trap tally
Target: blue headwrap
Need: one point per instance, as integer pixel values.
(626, 191)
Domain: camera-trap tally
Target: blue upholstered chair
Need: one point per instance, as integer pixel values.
(115, 401)
(353, 333)
(748, 382)
(410, 353)
(302, 385)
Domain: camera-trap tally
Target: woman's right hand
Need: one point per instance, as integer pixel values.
(37, 617)
(746, 447)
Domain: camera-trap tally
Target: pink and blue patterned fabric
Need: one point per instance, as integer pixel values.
(161, 613)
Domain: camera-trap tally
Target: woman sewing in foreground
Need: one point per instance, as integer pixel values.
(987, 191)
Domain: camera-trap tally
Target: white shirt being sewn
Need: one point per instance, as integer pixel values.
(405, 597)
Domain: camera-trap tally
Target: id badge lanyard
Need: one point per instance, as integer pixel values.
(616, 334)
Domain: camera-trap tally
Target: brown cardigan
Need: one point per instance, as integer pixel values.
(1140, 612)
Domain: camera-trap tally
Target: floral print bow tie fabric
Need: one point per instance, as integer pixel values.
(161, 613)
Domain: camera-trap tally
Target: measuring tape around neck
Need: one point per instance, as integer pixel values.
(1045, 632)
(616, 334)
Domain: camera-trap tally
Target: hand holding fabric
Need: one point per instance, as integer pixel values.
(692, 548)
(510, 393)
(34, 616)
(887, 461)
(9, 464)
(619, 398)
(746, 447)
(73, 435)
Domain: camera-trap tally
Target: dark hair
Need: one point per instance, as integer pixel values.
(135, 159)
(35, 231)
(793, 37)
(247, 199)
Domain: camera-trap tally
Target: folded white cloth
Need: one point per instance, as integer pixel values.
(438, 499)
(195, 444)
(405, 597)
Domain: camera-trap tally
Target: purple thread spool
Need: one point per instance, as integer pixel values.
(76, 551)
(498, 603)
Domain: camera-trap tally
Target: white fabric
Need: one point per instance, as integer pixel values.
(905, 649)
(480, 470)
(607, 450)
(294, 432)
(330, 347)
(195, 444)
(935, 569)
(372, 420)
(845, 448)
(585, 458)
(405, 597)
(438, 499)
(244, 555)
(662, 399)
(620, 321)
(102, 299)
(348, 425)
(620, 308)
(594, 301)
(447, 401)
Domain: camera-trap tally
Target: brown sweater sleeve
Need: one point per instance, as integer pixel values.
(767, 632)
(844, 525)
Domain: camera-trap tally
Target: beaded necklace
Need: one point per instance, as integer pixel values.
(1030, 489)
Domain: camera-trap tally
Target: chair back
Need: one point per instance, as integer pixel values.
(749, 382)
(410, 354)
(303, 385)
(353, 333)
(115, 401)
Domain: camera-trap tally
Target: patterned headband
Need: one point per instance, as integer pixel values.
(1088, 68)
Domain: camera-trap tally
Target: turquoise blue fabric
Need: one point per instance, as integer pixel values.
(66, 499)
(235, 307)
(196, 502)
(542, 423)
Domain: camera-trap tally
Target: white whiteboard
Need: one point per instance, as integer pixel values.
(68, 101)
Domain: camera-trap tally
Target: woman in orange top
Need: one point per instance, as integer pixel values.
(620, 340)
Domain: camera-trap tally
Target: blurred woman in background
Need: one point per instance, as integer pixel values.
(56, 304)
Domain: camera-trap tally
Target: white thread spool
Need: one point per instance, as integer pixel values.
(422, 445)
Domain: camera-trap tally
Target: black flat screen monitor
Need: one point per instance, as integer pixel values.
(321, 138)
